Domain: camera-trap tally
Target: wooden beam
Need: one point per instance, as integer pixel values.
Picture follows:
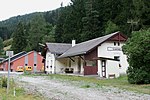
(82, 58)
(84, 63)
(71, 59)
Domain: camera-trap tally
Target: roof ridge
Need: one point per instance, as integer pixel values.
(59, 43)
(99, 37)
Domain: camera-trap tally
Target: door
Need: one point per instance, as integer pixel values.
(104, 68)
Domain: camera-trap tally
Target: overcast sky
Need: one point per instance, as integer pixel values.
(10, 8)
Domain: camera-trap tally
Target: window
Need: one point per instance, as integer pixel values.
(117, 58)
(119, 65)
(94, 63)
(47, 66)
(114, 43)
(26, 64)
(118, 43)
(34, 64)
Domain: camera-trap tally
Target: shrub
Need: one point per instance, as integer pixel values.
(137, 50)
(4, 81)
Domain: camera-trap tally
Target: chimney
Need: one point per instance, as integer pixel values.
(73, 43)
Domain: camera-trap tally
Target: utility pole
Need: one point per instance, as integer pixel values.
(9, 54)
(132, 22)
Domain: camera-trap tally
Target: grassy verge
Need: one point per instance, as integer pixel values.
(120, 82)
(20, 93)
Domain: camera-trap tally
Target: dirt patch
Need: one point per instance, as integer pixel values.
(54, 89)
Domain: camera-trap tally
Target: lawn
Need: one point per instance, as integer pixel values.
(20, 93)
(120, 82)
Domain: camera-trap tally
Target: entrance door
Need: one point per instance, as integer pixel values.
(104, 68)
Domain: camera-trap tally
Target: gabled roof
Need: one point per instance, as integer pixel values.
(84, 47)
(16, 56)
(58, 48)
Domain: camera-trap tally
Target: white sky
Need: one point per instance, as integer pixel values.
(10, 8)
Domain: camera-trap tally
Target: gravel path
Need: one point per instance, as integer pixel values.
(53, 89)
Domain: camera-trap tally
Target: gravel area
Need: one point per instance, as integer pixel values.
(53, 89)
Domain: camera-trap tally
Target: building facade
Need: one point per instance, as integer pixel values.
(33, 59)
(102, 56)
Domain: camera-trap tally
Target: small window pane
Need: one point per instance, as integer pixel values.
(114, 43)
(118, 43)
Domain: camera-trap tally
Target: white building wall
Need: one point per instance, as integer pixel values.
(50, 62)
(108, 50)
(60, 64)
(112, 67)
(82, 66)
(75, 64)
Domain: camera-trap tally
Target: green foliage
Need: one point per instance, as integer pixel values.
(21, 94)
(138, 51)
(50, 34)
(111, 27)
(69, 25)
(3, 81)
(19, 39)
(86, 86)
(7, 42)
(1, 45)
(36, 32)
(81, 20)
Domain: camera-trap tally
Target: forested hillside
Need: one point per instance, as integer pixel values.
(7, 27)
(87, 19)
(81, 20)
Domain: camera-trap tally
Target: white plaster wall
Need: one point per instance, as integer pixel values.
(112, 67)
(99, 68)
(104, 52)
(60, 64)
(75, 65)
(50, 61)
(82, 66)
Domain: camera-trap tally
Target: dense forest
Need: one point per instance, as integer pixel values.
(81, 20)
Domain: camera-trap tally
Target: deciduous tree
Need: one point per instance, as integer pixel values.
(138, 51)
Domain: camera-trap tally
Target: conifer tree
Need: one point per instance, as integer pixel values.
(19, 38)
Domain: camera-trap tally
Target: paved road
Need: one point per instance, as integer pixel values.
(54, 89)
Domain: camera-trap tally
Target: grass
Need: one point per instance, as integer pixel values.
(120, 82)
(20, 93)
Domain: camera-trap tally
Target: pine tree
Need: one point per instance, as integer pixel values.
(36, 32)
(19, 38)
(69, 25)
(91, 22)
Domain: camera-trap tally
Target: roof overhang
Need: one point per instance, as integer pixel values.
(104, 58)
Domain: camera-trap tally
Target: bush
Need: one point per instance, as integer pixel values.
(137, 50)
(4, 81)
(138, 76)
